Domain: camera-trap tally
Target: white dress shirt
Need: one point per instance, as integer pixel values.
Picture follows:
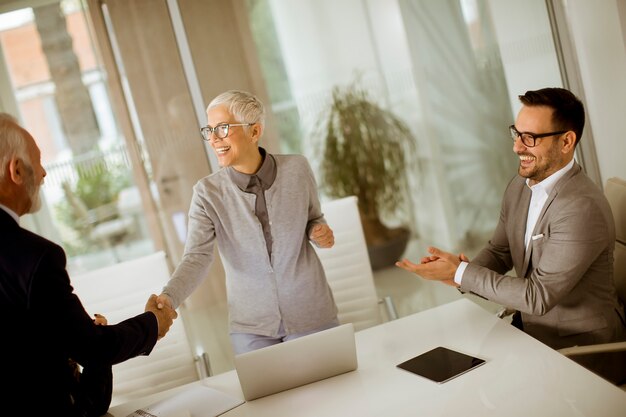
(540, 193)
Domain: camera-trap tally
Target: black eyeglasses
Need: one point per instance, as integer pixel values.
(529, 139)
(220, 131)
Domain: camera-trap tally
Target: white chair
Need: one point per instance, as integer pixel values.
(348, 269)
(120, 291)
(615, 191)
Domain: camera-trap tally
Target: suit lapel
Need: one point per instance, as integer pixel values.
(520, 228)
(538, 226)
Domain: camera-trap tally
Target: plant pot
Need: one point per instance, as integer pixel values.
(387, 253)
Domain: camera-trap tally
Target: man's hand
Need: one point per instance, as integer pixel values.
(439, 266)
(165, 315)
(322, 235)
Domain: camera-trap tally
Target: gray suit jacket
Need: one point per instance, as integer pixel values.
(563, 284)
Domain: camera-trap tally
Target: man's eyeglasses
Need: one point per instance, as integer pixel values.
(529, 139)
(220, 131)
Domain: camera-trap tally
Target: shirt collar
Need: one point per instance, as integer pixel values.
(548, 183)
(11, 213)
(266, 173)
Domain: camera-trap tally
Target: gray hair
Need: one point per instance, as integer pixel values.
(246, 107)
(12, 143)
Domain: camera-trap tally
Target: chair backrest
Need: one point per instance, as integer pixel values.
(615, 191)
(120, 291)
(347, 265)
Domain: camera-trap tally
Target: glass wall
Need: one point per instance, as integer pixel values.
(58, 91)
(451, 70)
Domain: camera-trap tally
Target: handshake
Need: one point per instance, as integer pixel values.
(163, 311)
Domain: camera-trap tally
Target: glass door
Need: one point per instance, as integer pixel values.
(142, 53)
(53, 81)
(101, 86)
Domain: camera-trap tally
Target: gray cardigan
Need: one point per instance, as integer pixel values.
(292, 287)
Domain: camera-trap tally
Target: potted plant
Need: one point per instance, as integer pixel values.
(365, 152)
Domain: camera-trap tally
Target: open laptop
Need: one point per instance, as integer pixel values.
(297, 362)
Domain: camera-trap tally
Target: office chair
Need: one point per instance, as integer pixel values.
(121, 291)
(615, 191)
(348, 269)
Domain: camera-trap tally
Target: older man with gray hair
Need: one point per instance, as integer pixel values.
(45, 326)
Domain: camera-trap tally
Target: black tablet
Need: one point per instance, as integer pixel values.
(441, 364)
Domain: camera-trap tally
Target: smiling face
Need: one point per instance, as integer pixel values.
(240, 148)
(549, 153)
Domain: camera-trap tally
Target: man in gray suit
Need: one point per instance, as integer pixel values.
(556, 231)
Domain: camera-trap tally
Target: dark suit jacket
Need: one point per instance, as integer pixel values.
(563, 283)
(44, 324)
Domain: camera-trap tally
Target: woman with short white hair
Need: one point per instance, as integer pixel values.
(264, 212)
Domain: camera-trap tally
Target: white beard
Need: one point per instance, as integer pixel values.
(33, 192)
(35, 200)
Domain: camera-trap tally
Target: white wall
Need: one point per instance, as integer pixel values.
(322, 48)
(598, 37)
(526, 47)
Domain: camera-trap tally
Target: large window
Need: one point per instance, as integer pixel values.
(92, 207)
(451, 70)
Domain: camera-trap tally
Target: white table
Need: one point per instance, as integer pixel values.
(522, 377)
